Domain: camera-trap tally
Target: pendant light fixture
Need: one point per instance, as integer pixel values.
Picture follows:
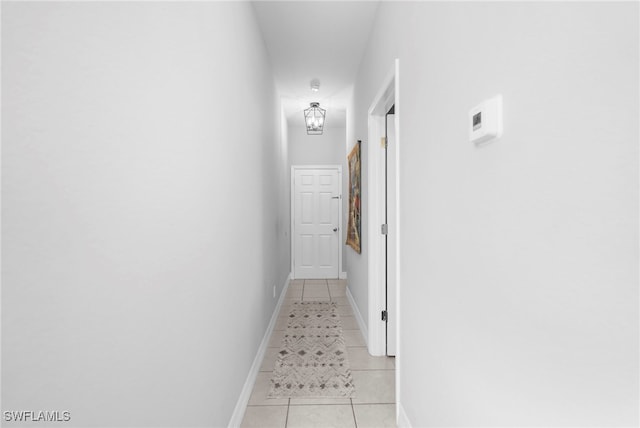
(314, 119)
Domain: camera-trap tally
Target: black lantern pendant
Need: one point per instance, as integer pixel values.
(314, 119)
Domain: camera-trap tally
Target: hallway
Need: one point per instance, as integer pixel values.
(146, 204)
(374, 405)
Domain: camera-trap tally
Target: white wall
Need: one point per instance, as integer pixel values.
(325, 149)
(284, 195)
(140, 228)
(356, 128)
(519, 302)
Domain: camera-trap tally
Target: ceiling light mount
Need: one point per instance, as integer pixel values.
(315, 85)
(314, 119)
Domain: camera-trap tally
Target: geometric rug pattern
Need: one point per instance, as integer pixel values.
(313, 359)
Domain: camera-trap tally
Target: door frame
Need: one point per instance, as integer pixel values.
(295, 168)
(387, 96)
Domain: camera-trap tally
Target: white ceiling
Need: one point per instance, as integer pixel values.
(315, 39)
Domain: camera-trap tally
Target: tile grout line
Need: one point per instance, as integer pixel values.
(286, 420)
(353, 412)
(303, 404)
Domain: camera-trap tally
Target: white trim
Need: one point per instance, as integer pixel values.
(292, 219)
(376, 299)
(401, 417)
(399, 360)
(245, 394)
(358, 316)
(292, 202)
(385, 98)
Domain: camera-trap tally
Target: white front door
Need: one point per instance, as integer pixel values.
(316, 203)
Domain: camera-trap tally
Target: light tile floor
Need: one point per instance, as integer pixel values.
(374, 377)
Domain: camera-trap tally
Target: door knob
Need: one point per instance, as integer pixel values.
(335, 229)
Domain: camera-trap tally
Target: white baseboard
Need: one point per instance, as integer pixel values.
(343, 275)
(401, 418)
(359, 319)
(245, 394)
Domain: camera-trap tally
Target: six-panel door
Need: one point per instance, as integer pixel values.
(316, 221)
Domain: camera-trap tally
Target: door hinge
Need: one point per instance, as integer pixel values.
(383, 142)
(384, 229)
(384, 315)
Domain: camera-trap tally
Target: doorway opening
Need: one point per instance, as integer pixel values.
(384, 281)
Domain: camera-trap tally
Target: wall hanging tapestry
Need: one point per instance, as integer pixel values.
(313, 359)
(353, 222)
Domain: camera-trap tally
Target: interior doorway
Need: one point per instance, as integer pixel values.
(391, 241)
(316, 219)
(384, 225)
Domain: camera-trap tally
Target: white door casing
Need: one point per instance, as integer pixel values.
(379, 296)
(392, 236)
(316, 219)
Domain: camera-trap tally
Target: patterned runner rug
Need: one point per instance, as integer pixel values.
(313, 360)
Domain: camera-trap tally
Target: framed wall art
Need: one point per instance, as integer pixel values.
(353, 222)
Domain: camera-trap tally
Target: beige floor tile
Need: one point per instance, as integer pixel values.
(349, 323)
(265, 417)
(353, 338)
(260, 391)
(337, 291)
(269, 360)
(281, 322)
(321, 416)
(321, 284)
(308, 401)
(341, 301)
(342, 282)
(374, 386)
(294, 293)
(276, 339)
(316, 298)
(296, 282)
(315, 282)
(359, 359)
(375, 415)
(374, 377)
(345, 311)
(315, 292)
(287, 304)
